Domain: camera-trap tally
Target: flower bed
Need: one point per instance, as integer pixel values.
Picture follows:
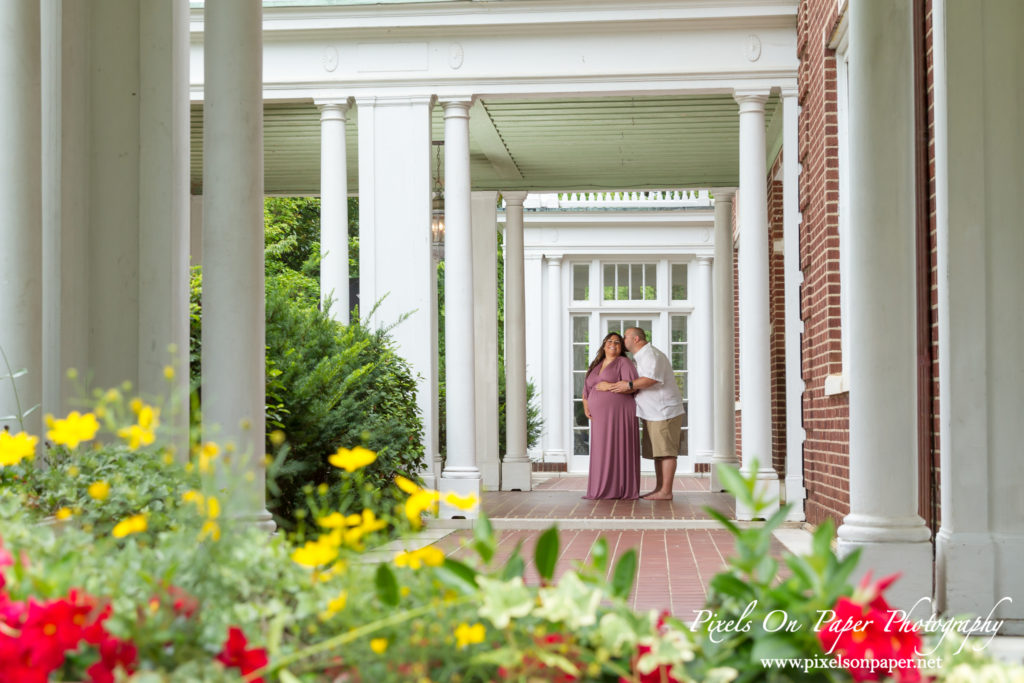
(149, 578)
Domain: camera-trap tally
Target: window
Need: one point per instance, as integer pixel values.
(581, 282)
(580, 361)
(677, 354)
(630, 281)
(678, 283)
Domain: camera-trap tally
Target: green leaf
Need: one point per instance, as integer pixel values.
(515, 565)
(287, 676)
(387, 585)
(599, 554)
(727, 584)
(822, 542)
(735, 484)
(458, 575)
(625, 572)
(546, 553)
(774, 647)
(723, 520)
(484, 542)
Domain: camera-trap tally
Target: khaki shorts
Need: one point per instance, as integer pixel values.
(660, 438)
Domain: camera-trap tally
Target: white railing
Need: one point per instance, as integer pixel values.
(661, 199)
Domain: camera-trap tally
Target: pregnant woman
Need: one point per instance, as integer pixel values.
(614, 440)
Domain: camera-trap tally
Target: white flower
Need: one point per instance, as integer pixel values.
(571, 602)
(504, 600)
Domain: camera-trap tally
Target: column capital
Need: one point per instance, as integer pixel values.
(515, 198)
(333, 103)
(392, 100)
(724, 194)
(751, 100)
(456, 106)
(705, 260)
(554, 259)
(788, 92)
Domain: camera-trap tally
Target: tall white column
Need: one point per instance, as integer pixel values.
(461, 474)
(725, 350)
(233, 299)
(21, 278)
(883, 519)
(553, 400)
(334, 209)
(755, 369)
(795, 491)
(533, 280)
(516, 469)
(701, 392)
(164, 209)
(397, 277)
(485, 334)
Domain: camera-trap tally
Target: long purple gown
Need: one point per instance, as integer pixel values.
(614, 436)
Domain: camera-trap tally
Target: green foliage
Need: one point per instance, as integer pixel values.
(342, 387)
(755, 597)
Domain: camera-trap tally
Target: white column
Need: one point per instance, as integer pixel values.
(793, 276)
(334, 209)
(233, 301)
(553, 399)
(724, 356)
(755, 368)
(533, 279)
(21, 278)
(701, 405)
(397, 278)
(485, 334)
(516, 469)
(883, 519)
(461, 474)
(164, 209)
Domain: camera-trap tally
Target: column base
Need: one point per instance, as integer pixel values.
(965, 570)
(516, 475)
(767, 488)
(913, 560)
(555, 455)
(719, 459)
(461, 487)
(264, 521)
(795, 496)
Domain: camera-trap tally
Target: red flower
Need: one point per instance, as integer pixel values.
(114, 653)
(661, 674)
(235, 654)
(865, 627)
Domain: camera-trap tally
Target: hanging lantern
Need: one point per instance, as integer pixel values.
(437, 206)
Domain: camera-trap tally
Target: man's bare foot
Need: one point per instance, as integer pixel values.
(658, 496)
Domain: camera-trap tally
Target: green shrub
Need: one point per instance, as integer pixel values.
(342, 386)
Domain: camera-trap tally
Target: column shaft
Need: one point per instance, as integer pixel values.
(755, 368)
(233, 298)
(701, 368)
(533, 279)
(21, 280)
(461, 474)
(485, 334)
(517, 466)
(725, 378)
(334, 210)
(553, 397)
(883, 516)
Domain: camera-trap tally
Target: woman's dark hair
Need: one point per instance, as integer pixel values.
(600, 352)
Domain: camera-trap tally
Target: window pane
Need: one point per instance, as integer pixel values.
(650, 282)
(579, 357)
(581, 439)
(678, 281)
(609, 282)
(581, 417)
(684, 442)
(622, 282)
(578, 380)
(678, 329)
(636, 282)
(681, 383)
(678, 357)
(581, 282)
(645, 325)
(581, 329)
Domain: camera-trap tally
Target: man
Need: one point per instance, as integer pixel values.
(659, 405)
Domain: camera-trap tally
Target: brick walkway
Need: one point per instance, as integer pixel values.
(679, 546)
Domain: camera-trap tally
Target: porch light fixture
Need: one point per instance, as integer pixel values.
(437, 206)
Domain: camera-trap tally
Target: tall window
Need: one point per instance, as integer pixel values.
(581, 282)
(677, 354)
(630, 281)
(580, 361)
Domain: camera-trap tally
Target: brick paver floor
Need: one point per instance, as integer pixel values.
(679, 546)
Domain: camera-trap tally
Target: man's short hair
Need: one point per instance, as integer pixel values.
(640, 334)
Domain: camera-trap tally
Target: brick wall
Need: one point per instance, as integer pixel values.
(777, 318)
(825, 418)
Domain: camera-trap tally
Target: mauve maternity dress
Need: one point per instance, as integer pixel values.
(614, 438)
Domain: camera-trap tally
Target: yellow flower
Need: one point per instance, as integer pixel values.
(406, 485)
(63, 513)
(207, 453)
(352, 460)
(334, 606)
(469, 635)
(111, 396)
(149, 417)
(428, 555)
(168, 372)
(335, 520)
(131, 525)
(136, 436)
(14, 449)
(420, 502)
(210, 529)
(99, 490)
(168, 457)
(73, 471)
(73, 430)
(212, 508)
(315, 553)
(379, 645)
(276, 437)
(463, 503)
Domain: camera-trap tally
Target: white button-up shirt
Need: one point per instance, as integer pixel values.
(661, 401)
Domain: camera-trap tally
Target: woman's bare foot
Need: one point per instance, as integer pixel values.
(658, 496)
